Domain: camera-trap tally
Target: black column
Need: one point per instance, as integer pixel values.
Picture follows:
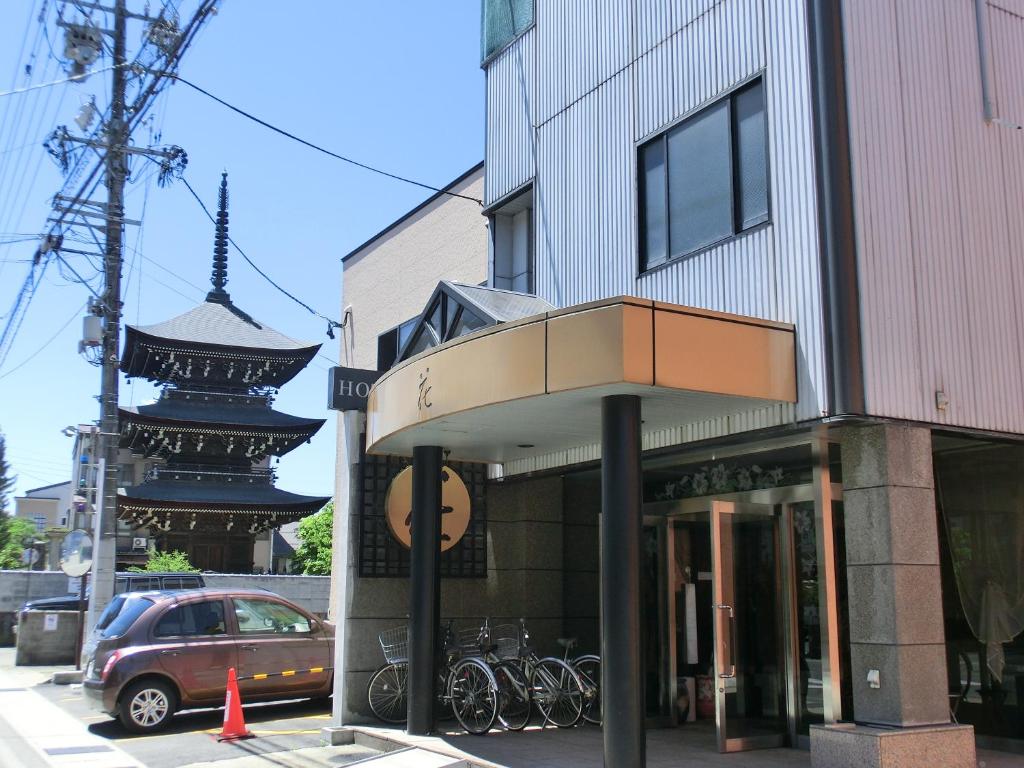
(424, 588)
(622, 682)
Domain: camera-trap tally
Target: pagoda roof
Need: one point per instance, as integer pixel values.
(178, 412)
(221, 324)
(177, 495)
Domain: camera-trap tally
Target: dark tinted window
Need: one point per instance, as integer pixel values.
(751, 156)
(205, 618)
(112, 609)
(699, 181)
(130, 611)
(190, 582)
(705, 179)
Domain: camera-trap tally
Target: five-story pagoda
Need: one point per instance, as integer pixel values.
(214, 427)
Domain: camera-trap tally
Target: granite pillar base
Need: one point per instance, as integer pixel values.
(859, 746)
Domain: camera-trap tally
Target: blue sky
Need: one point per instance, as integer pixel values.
(393, 84)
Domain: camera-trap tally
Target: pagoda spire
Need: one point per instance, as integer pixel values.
(219, 276)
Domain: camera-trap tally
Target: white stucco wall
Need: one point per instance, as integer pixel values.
(390, 279)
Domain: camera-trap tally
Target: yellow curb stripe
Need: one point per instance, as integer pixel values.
(288, 673)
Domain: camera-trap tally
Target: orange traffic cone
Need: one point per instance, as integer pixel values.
(234, 723)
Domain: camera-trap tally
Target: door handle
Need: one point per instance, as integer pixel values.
(732, 637)
(252, 648)
(169, 653)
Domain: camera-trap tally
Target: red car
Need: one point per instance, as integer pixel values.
(168, 651)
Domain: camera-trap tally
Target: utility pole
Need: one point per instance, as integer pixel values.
(105, 548)
(164, 43)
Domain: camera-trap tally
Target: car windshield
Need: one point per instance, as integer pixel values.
(113, 608)
(133, 608)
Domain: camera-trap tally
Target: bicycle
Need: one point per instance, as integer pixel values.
(588, 667)
(466, 684)
(501, 653)
(554, 685)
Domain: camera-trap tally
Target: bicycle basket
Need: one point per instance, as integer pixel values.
(469, 641)
(505, 638)
(395, 644)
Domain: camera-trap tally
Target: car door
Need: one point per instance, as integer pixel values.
(196, 647)
(276, 638)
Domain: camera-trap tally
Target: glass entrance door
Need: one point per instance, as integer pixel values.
(747, 608)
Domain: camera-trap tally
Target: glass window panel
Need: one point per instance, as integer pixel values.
(700, 180)
(205, 618)
(652, 181)
(405, 331)
(422, 343)
(467, 322)
(433, 321)
(264, 616)
(523, 283)
(751, 156)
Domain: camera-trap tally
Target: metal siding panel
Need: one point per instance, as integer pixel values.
(568, 53)
(614, 37)
(509, 136)
(884, 239)
(585, 209)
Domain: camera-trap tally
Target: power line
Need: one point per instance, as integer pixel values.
(72, 79)
(318, 148)
(264, 275)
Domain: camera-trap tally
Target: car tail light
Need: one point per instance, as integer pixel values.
(111, 661)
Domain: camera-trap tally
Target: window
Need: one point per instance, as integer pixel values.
(124, 619)
(40, 521)
(503, 21)
(390, 342)
(511, 228)
(126, 475)
(704, 180)
(204, 618)
(265, 616)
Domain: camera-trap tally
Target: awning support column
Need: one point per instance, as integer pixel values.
(622, 683)
(424, 589)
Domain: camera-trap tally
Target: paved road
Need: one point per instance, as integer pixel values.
(42, 724)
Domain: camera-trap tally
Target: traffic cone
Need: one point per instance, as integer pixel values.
(234, 723)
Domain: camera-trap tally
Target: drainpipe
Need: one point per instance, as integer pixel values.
(836, 234)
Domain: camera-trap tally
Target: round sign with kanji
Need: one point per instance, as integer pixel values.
(454, 508)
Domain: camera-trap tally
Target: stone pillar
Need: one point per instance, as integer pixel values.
(895, 604)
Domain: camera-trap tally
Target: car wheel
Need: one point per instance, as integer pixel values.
(146, 706)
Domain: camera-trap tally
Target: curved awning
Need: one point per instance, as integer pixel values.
(535, 385)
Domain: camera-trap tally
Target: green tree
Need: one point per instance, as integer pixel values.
(16, 529)
(313, 557)
(6, 484)
(166, 562)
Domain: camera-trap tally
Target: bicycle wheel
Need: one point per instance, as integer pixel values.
(387, 693)
(513, 695)
(474, 695)
(558, 692)
(589, 670)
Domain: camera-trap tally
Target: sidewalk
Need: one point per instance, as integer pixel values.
(34, 732)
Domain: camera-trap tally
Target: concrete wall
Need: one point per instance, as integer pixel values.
(16, 587)
(581, 585)
(524, 580)
(388, 281)
(38, 644)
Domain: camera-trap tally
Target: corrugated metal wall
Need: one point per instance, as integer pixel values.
(939, 198)
(610, 73)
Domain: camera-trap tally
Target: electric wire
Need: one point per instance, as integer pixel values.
(72, 79)
(252, 264)
(317, 147)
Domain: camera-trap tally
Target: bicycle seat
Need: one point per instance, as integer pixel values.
(567, 642)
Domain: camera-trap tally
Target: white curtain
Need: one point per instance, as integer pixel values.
(980, 489)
